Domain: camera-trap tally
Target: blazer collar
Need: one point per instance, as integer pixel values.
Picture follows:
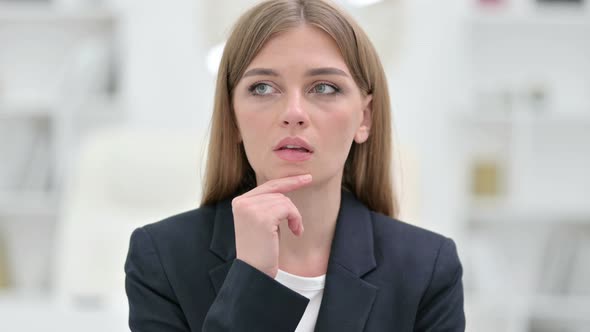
(347, 299)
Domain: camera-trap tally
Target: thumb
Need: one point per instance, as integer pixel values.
(295, 225)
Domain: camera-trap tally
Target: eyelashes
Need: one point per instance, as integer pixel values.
(335, 89)
(261, 89)
(254, 89)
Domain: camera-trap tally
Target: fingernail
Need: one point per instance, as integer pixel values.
(300, 230)
(305, 178)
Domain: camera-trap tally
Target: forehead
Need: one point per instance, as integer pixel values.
(303, 46)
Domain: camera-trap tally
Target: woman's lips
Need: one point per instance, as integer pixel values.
(293, 154)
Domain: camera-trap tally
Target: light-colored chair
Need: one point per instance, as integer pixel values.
(124, 178)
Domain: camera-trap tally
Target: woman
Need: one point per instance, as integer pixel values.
(296, 229)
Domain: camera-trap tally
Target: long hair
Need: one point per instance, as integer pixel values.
(367, 171)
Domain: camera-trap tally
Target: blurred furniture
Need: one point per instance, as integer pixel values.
(17, 310)
(526, 218)
(124, 178)
(58, 81)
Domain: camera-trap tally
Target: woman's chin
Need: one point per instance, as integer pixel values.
(284, 171)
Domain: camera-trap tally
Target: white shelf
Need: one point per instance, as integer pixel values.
(26, 110)
(95, 107)
(509, 216)
(17, 310)
(40, 204)
(567, 308)
(551, 119)
(561, 307)
(575, 18)
(44, 13)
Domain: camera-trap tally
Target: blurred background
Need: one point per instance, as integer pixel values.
(104, 116)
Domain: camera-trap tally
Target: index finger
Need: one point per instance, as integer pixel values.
(282, 185)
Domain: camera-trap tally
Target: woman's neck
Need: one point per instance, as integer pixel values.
(318, 205)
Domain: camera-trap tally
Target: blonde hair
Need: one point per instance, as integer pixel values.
(367, 171)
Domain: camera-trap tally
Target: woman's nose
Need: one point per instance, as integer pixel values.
(294, 113)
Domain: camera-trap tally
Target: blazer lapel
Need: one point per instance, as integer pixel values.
(223, 243)
(348, 299)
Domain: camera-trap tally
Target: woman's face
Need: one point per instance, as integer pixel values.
(298, 86)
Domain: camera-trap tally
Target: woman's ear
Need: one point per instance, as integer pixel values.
(363, 131)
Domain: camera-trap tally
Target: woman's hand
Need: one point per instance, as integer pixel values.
(257, 215)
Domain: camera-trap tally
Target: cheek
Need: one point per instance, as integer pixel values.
(249, 121)
(339, 132)
(248, 131)
(252, 126)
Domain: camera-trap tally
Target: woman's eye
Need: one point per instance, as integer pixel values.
(261, 89)
(264, 89)
(325, 89)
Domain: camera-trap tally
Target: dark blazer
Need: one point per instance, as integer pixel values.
(383, 275)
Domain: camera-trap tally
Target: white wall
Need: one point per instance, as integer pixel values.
(423, 90)
(165, 79)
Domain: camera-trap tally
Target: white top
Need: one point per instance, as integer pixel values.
(313, 289)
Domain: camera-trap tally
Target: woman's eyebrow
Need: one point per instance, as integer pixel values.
(260, 72)
(325, 71)
(310, 72)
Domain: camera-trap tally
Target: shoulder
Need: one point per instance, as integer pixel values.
(428, 272)
(184, 224)
(404, 235)
(422, 253)
(178, 233)
(177, 246)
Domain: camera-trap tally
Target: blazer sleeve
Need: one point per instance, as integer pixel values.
(248, 300)
(441, 307)
(153, 306)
